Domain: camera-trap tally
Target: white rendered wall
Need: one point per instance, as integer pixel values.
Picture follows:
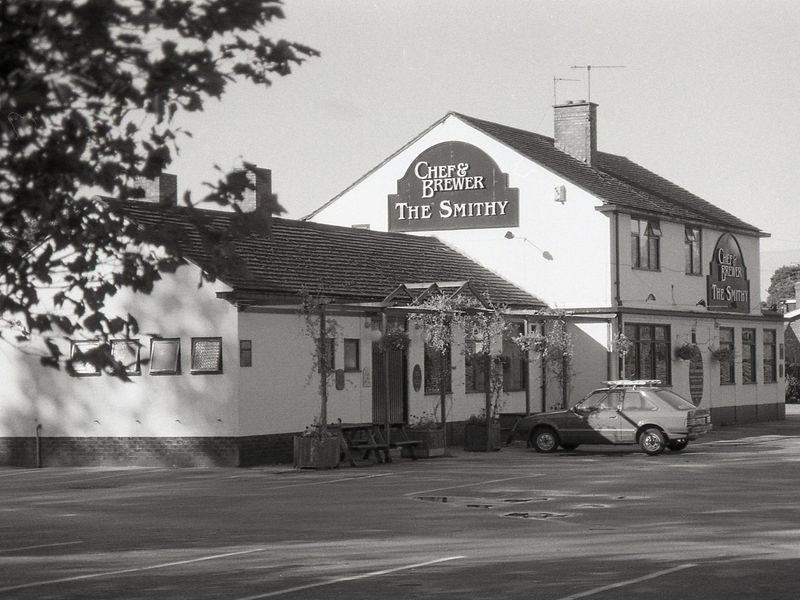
(574, 233)
(149, 405)
(280, 392)
(671, 286)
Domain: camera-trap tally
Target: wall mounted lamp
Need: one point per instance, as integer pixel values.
(545, 254)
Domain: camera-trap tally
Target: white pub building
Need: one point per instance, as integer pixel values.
(657, 282)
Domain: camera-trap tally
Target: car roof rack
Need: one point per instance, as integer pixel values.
(632, 382)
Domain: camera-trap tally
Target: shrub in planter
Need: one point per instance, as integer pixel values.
(475, 438)
(432, 443)
(426, 430)
(317, 448)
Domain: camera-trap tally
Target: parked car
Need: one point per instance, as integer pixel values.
(624, 412)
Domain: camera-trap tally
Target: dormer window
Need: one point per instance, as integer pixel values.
(645, 244)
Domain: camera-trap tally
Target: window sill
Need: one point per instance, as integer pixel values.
(205, 372)
(646, 269)
(694, 274)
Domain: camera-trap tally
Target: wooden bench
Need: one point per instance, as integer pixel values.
(410, 444)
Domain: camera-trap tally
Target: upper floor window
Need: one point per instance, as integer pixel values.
(692, 251)
(645, 244)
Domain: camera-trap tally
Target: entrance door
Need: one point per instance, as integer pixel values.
(398, 397)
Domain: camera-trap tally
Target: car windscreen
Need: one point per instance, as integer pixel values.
(673, 399)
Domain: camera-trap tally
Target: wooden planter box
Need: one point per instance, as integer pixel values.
(475, 438)
(316, 453)
(432, 443)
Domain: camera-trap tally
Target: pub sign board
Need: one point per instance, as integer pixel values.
(453, 185)
(728, 285)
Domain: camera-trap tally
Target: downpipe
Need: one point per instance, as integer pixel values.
(39, 446)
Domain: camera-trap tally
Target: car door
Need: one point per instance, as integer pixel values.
(636, 408)
(605, 420)
(595, 419)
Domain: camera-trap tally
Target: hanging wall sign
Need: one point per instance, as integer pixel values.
(453, 185)
(728, 286)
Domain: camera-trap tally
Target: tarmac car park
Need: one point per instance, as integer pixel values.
(624, 412)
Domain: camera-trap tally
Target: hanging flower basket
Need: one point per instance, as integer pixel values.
(687, 351)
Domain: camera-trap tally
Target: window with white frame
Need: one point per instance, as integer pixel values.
(769, 356)
(127, 353)
(438, 370)
(207, 355)
(727, 364)
(649, 357)
(749, 356)
(515, 367)
(692, 251)
(245, 353)
(352, 358)
(80, 366)
(165, 356)
(645, 244)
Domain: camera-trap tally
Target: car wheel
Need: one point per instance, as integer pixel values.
(545, 440)
(569, 446)
(652, 441)
(677, 446)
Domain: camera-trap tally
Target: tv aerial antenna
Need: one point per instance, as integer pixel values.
(555, 86)
(589, 75)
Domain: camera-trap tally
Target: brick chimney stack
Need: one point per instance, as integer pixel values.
(261, 197)
(576, 130)
(160, 190)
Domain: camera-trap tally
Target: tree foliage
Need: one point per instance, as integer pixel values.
(781, 284)
(89, 94)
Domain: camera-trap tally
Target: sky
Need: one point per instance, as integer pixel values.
(708, 97)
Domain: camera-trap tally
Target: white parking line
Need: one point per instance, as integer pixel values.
(125, 571)
(309, 586)
(330, 481)
(21, 548)
(614, 586)
(454, 487)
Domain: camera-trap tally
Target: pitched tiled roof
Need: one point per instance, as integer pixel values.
(614, 179)
(348, 264)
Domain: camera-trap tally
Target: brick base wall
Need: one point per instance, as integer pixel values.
(751, 413)
(147, 451)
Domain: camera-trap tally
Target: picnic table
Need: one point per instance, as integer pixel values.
(369, 438)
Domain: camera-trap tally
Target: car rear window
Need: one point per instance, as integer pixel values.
(673, 399)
